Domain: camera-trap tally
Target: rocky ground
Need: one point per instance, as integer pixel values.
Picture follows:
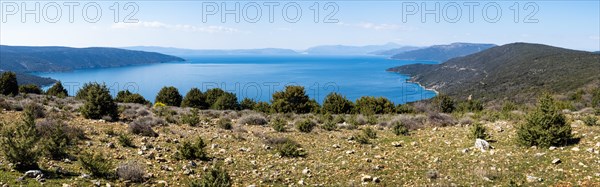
(429, 156)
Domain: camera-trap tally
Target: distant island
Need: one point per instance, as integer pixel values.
(24, 59)
(518, 71)
(441, 53)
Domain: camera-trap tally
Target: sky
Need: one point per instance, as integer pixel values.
(298, 24)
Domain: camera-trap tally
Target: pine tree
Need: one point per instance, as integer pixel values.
(57, 90)
(545, 126)
(8, 84)
(19, 143)
(195, 99)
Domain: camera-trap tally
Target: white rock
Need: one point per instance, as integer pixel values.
(575, 149)
(552, 148)
(33, 173)
(531, 178)
(228, 160)
(366, 178)
(306, 171)
(335, 146)
(556, 161)
(482, 145)
(350, 152)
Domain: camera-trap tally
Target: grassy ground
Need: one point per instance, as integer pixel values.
(432, 156)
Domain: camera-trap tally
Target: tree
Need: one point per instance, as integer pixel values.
(545, 126)
(99, 103)
(369, 105)
(335, 103)
(212, 95)
(8, 84)
(169, 96)
(30, 89)
(125, 96)
(195, 99)
(227, 101)
(247, 104)
(57, 90)
(292, 100)
(18, 143)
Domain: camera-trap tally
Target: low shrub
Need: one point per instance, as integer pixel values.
(98, 103)
(224, 123)
(96, 164)
(131, 171)
(590, 120)
(57, 138)
(8, 84)
(19, 143)
(215, 177)
(369, 132)
(398, 128)
(169, 96)
(335, 103)
(478, 131)
(192, 150)
(305, 125)
(279, 124)
(441, 120)
(545, 126)
(247, 104)
(36, 109)
(127, 97)
(329, 126)
(195, 99)
(57, 90)
(143, 126)
(30, 89)
(192, 118)
(253, 119)
(445, 103)
(125, 140)
(286, 147)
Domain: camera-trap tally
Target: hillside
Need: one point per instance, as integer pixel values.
(200, 52)
(46, 59)
(350, 50)
(441, 53)
(395, 51)
(517, 71)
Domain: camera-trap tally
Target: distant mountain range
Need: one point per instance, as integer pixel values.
(516, 71)
(200, 52)
(395, 51)
(441, 53)
(350, 50)
(22, 59)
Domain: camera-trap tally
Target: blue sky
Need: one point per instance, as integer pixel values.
(569, 24)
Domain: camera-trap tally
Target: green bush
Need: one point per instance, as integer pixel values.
(192, 150)
(335, 103)
(36, 110)
(96, 164)
(192, 119)
(590, 120)
(305, 125)
(215, 177)
(125, 96)
(445, 103)
(263, 107)
(252, 119)
(57, 90)
(286, 147)
(405, 109)
(278, 124)
(329, 126)
(225, 124)
(131, 171)
(362, 138)
(478, 131)
(30, 89)
(291, 100)
(212, 95)
(125, 140)
(8, 84)
(227, 101)
(19, 143)
(399, 129)
(369, 133)
(169, 96)
(99, 103)
(368, 105)
(470, 106)
(82, 93)
(55, 141)
(545, 126)
(195, 99)
(247, 104)
(596, 98)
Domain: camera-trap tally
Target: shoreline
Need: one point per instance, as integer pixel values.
(420, 85)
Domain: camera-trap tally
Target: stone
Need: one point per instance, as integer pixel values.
(66, 160)
(188, 172)
(366, 178)
(482, 145)
(396, 144)
(336, 146)
(414, 143)
(192, 164)
(379, 157)
(301, 182)
(466, 150)
(591, 150)
(214, 146)
(556, 161)
(350, 152)
(85, 176)
(539, 154)
(531, 178)
(162, 183)
(376, 179)
(228, 160)
(575, 149)
(598, 144)
(552, 148)
(252, 185)
(368, 160)
(66, 185)
(306, 171)
(110, 145)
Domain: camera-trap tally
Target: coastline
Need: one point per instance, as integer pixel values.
(411, 80)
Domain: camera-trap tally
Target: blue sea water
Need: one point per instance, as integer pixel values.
(257, 77)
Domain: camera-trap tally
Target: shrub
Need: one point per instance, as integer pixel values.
(305, 125)
(399, 128)
(131, 171)
(215, 177)
(128, 97)
(169, 96)
(361, 138)
(369, 133)
(278, 124)
(18, 143)
(227, 101)
(405, 109)
(478, 131)
(590, 120)
(545, 126)
(36, 110)
(30, 89)
(99, 103)
(329, 126)
(224, 124)
(195, 99)
(445, 103)
(212, 95)
(471, 106)
(441, 119)
(125, 140)
(82, 93)
(368, 105)
(247, 104)
(253, 119)
(143, 126)
(286, 147)
(596, 98)
(55, 141)
(192, 150)
(96, 164)
(335, 103)
(291, 100)
(263, 107)
(57, 90)
(8, 84)
(192, 119)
